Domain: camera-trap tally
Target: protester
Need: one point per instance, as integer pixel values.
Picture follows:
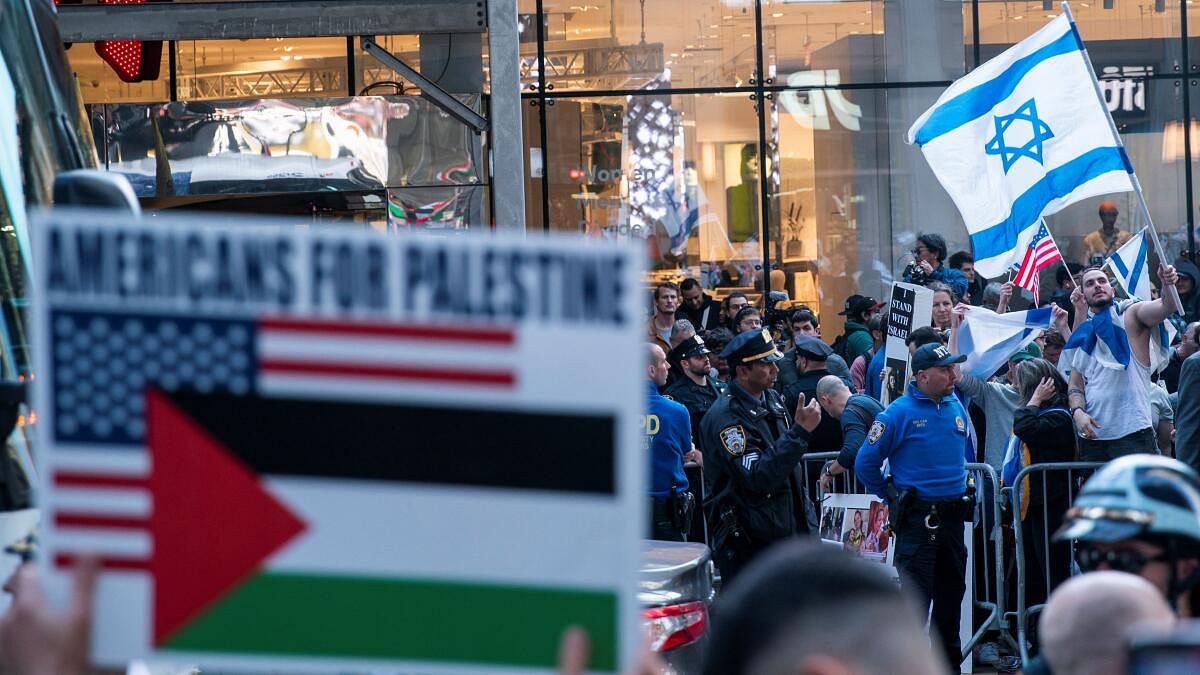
(1100, 244)
(1189, 293)
(1187, 346)
(856, 341)
(730, 306)
(856, 413)
(929, 252)
(698, 306)
(807, 609)
(1187, 419)
(1087, 623)
(716, 342)
(747, 319)
(1044, 433)
(858, 369)
(944, 300)
(1065, 278)
(1110, 369)
(965, 263)
(666, 299)
(1053, 346)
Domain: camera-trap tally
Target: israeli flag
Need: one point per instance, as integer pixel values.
(1103, 338)
(1129, 262)
(1020, 137)
(988, 338)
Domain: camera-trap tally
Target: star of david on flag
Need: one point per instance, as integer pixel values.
(1021, 137)
(1032, 148)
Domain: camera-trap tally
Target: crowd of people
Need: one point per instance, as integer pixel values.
(1100, 385)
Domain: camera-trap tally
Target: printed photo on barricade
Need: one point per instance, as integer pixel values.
(858, 524)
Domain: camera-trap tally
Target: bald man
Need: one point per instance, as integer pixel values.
(1085, 628)
(1108, 237)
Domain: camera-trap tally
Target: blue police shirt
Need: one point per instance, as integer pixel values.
(668, 438)
(872, 385)
(924, 442)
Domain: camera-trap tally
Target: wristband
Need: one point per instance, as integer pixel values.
(1078, 407)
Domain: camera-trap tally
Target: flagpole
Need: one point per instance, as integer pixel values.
(1137, 185)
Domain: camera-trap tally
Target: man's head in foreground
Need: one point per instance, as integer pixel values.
(1087, 623)
(802, 609)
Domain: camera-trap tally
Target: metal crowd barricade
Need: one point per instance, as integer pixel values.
(1071, 475)
(989, 588)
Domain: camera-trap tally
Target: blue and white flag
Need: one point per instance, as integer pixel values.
(1103, 338)
(1022, 136)
(988, 338)
(1129, 262)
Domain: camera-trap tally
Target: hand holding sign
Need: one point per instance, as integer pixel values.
(36, 640)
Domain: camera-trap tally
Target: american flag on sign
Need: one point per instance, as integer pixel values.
(104, 363)
(1042, 253)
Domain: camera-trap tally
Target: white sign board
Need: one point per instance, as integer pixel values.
(909, 307)
(330, 450)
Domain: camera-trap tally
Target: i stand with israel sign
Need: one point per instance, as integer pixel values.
(1022, 136)
(330, 450)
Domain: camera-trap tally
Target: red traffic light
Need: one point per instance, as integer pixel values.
(133, 60)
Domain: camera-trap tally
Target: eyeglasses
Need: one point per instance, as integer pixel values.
(1121, 560)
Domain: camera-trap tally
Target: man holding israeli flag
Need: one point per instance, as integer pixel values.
(1111, 356)
(1022, 136)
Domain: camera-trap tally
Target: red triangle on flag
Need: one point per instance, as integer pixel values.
(213, 523)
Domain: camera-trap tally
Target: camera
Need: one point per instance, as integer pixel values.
(774, 318)
(915, 274)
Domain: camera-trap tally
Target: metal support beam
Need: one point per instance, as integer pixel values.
(268, 19)
(436, 94)
(508, 150)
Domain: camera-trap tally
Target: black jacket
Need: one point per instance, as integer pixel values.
(1191, 301)
(696, 398)
(699, 321)
(827, 437)
(750, 450)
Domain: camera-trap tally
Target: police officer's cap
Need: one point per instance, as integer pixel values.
(753, 345)
(24, 548)
(693, 346)
(812, 348)
(932, 356)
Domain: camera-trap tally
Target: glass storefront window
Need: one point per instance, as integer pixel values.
(678, 171)
(99, 83)
(830, 43)
(604, 45)
(272, 68)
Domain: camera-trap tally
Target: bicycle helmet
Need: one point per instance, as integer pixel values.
(1137, 496)
(1145, 497)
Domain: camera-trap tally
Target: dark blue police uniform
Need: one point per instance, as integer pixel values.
(924, 442)
(750, 451)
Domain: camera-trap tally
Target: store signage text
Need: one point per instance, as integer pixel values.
(811, 108)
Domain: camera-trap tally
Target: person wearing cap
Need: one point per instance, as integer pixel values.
(858, 311)
(811, 356)
(696, 389)
(923, 436)
(804, 322)
(668, 442)
(751, 448)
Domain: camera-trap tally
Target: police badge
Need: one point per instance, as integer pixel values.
(734, 439)
(876, 432)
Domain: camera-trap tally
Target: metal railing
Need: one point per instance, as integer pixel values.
(1059, 482)
(988, 589)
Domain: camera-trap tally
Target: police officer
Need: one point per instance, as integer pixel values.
(696, 390)
(750, 450)
(811, 357)
(669, 444)
(923, 435)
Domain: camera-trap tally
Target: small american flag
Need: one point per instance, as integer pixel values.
(1042, 253)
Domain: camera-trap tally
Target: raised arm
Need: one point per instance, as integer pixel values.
(1153, 312)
